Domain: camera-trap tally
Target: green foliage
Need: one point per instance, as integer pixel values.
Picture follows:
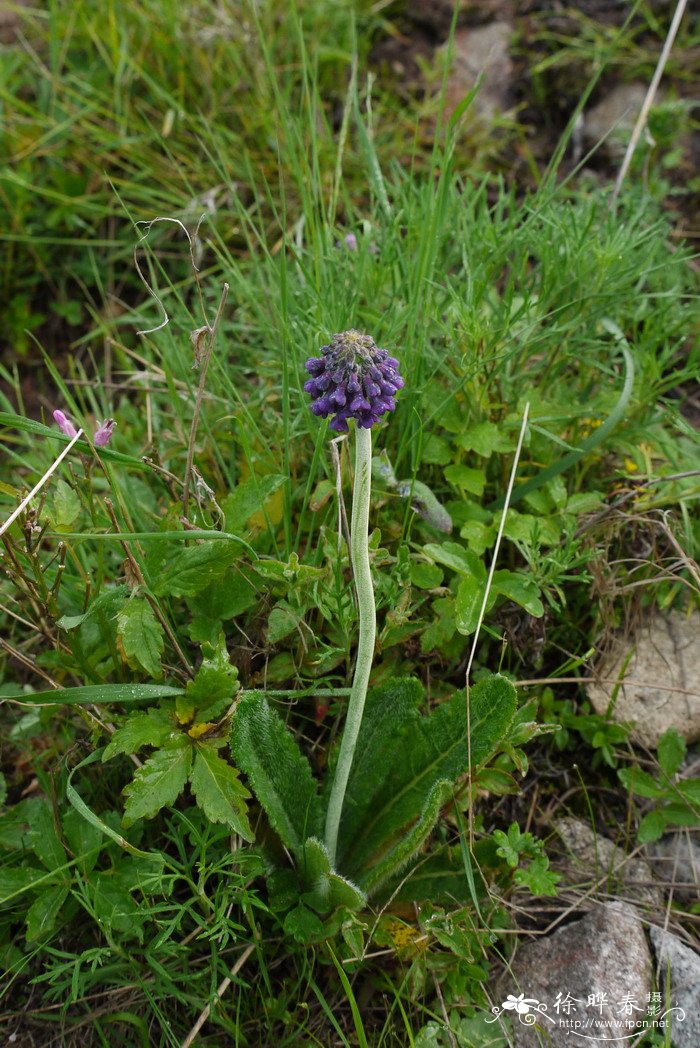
(677, 798)
(159, 781)
(535, 875)
(218, 790)
(277, 770)
(493, 296)
(406, 766)
(141, 636)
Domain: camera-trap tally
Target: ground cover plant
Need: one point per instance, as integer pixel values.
(182, 598)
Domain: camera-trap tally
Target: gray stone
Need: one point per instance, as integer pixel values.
(661, 684)
(590, 857)
(684, 966)
(605, 953)
(675, 859)
(615, 116)
(481, 50)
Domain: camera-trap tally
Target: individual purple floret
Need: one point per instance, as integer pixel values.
(103, 433)
(352, 378)
(64, 424)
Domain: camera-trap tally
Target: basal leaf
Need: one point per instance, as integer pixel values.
(434, 749)
(405, 845)
(141, 636)
(278, 772)
(159, 781)
(150, 727)
(219, 792)
(390, 712)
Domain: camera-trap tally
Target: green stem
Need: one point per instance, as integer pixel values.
(359, 557)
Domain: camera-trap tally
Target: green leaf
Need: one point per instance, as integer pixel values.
(456, 557)
(213, 687)
(640, 782)
(470, 597)
(15, 881)
(425, 576)
(100, 694)
(219, 791)
(42, 914)
(150, 727)
(670, 752)
(651, 827)
(249, 498)
(227, 597)
(439, 877)
(141, 635)
(195, 568)
(159, 781)
(390, 712)
(585, 502)
(485, 438)
(426, 751)
(278, 772)
(519, 588)
(66, 506)
(303, 925)
(537, 877)
(115, 908)
(3, 789)
(83, 838)
(471, 480)
(407, 844)
(43, 837)
(283, 620)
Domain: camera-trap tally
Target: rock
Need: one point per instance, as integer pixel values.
(675, 859)
(582, 972)
(484, 49)
(592, 857)
(684, 965)
(666, 656)
(615, 116)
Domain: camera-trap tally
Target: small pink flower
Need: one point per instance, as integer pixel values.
(64, 424)
(351, 241)
(103, 433)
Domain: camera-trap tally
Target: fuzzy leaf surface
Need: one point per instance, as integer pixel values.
(278, 771)
(433, 749)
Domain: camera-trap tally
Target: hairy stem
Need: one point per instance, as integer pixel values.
(359, 557)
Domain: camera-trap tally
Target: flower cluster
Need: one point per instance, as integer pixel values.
(101, 437)
(352, 378)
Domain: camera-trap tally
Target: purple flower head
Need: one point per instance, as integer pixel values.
(64, 424)
(352, 378)
(103, 433)
(351, 241)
